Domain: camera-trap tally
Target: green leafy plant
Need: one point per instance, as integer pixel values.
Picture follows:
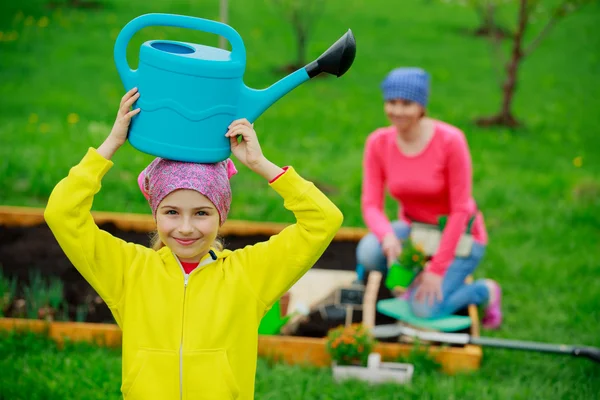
(36, 294)
(8, 289)
(413, 256)
(410, 262)
(420, 357)
(55, 293)
(63, 312)
(81, 313)
(43, 298)
(350, 345)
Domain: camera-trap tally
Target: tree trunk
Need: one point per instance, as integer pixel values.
(301, 39)
(505, 116)
(224, 18)
(301, 51)
(489, 27)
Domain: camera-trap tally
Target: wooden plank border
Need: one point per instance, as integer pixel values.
(289, 349)
(26, 216)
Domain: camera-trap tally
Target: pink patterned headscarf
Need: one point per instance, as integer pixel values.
(163, 177)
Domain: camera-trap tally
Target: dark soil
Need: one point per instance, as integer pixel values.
(26, 249)
(23, 249)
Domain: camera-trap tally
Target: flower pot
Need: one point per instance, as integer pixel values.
(399, 276)
(272, 321)
(375, 372)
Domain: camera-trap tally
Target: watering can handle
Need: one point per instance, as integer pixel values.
(238, 51)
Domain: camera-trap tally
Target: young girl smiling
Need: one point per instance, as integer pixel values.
(189, 311)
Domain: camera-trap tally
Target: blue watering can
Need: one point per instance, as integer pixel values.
(190, 93)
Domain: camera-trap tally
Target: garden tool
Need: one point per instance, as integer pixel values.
(190, 93)
(393, 330)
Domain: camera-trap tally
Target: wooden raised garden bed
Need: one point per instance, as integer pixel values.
(25, 241)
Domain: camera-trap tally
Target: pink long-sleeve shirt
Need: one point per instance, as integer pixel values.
(433, 183)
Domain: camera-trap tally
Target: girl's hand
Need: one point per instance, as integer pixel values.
(124, 115)
(118, 134)
(430, 288)
(248, 150)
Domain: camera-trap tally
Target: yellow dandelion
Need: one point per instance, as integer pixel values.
(43, 22)
(11, 36)
(44, 128)
(29, 21)
(256, 33)
(33, 118)
(73, 118)
(578, 161)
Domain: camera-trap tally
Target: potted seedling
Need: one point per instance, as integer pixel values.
(351, 352)
(410, 263)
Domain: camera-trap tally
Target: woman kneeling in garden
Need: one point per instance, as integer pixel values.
(426, 167)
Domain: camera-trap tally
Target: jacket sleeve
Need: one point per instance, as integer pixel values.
(272, 267)
(101, 258)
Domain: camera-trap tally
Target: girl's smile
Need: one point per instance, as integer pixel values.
(185, 242)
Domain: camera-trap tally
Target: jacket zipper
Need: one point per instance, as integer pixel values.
(186, 278)
(185, 282)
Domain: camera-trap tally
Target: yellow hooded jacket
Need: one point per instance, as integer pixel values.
(188, 336)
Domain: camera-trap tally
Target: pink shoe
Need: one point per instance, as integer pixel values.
(492, 319)
(406, 295)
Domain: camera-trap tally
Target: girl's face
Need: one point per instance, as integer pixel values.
(187, 222)
(403, 114)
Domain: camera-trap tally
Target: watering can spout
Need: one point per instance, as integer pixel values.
(334, 61)
(337, 59)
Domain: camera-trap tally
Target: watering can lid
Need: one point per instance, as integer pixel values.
(191, 59)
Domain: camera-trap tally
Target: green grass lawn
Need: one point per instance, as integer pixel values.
(538, 185)
(33, 368)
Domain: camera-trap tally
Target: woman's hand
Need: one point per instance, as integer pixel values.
(392, 247)
(118, 134)
(248, 150)
(430, 288)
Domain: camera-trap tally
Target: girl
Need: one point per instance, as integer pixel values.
(426, 166)
(189, 311)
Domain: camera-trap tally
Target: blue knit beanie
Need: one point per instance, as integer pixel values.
(408, 84)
